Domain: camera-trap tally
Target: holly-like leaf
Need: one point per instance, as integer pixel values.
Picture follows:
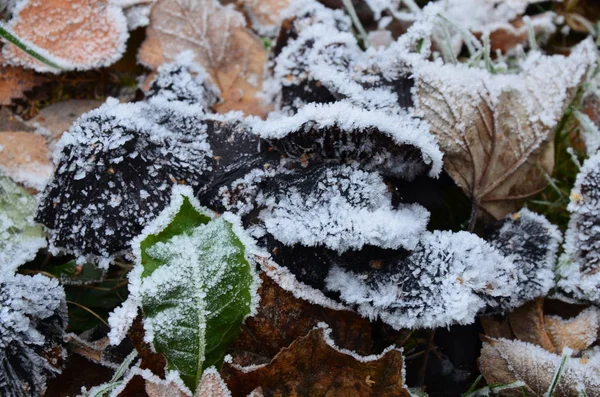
(314, 365)
(20, 236)
(497, 130)
(194, 284)
(217, 35)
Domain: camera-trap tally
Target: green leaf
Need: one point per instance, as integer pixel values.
(20, 236)
(196, 290)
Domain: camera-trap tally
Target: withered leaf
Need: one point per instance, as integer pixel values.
(527, 324)
(265, 15)
(505, 361)
(15, 81)
(497, 130)
(577, 333)
(80, 34)
(313, 366)
(211, 385)
(217, 35)
(282, 318)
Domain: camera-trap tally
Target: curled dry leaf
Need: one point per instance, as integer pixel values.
(282, 318)
(314, 366)
(497, 130)
(78, 34)
(505, 361)
(577, 333)
(527, 324)
(217, 35)
(15, 81)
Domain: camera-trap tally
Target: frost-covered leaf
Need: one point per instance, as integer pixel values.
(497, 130)
(15, 81)
(527, 324)
(20, 236)
(448, 278)
(395, 145)
(531, 242)
(281, 318)
(194, 284)
(505, 361)
(332, 371)
(25, 158)
(577, 333)
(218, 37)
(579, 267)
(34, 317)
(77, 34)
(265, 16)
(114, 175)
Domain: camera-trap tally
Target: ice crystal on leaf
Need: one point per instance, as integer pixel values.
(531, 242)
(195, 283)
(20, 236)
(496, 131)
(580, 263)
(448, 278)
(114, 174)
(33, 318)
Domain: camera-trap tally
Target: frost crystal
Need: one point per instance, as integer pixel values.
(114, 174)
(341, 208)
(448, 278)
(580, 263)
(33, 318)
(531, 242)
(20, 236)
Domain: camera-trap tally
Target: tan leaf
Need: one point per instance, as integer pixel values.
(265, 15)
(81, 34)
(527, 324)
(211, 385)
(313, 366)
(15, 81)
(25, 158)
(577, 333)
(217, 35)
(504, 361)
(497, 131)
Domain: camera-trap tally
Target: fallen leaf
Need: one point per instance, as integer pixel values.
(577, 333)
(76, 34)
(217, 35)
(527, 324)
(507, 36)
(505, 361)
(24, 155)
(314, 366)
(282, 318)
(265, 16)
(15, 81)
(497, 130)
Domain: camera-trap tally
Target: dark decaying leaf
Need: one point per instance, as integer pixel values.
(282, 318)
(579, 267)
(115, 172)
(531, 241)
(34, 317)
(448, 278)
(313, 366)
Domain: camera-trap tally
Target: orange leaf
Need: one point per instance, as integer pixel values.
(15, 81)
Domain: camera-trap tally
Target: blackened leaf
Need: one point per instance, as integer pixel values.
(34, 317)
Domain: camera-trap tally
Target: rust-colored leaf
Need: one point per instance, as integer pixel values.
(527, 324)
(282, 318)
(15, 81)
(82, 34)
(222, 44)
(313, 366)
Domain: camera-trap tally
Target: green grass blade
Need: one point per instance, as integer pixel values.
(8, 35)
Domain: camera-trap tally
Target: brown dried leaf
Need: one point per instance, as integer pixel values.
(84, 34)
(217, 35)
(265, 15)
(504, 361)
(282, 318)
(211, 385)
(497, 131)
(527, 324)
(312, 366)
(25, 158)
(15, 81)
(577, 333)
(507, 36)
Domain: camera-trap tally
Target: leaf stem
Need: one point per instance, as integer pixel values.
(474, 214)
(5, 32)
